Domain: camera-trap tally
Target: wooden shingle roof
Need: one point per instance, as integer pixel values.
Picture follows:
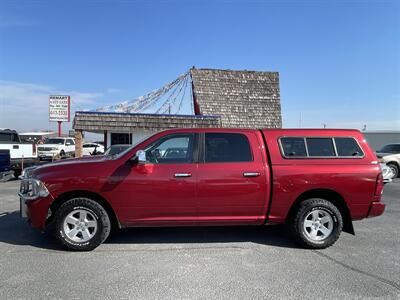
(243, 99)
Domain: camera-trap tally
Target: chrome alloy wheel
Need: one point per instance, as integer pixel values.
(80, 225)
(318, 225)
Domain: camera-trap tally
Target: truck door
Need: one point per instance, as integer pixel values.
(163, 190)
(231, 178)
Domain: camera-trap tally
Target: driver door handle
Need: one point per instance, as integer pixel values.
(180, 175)
(251, 174)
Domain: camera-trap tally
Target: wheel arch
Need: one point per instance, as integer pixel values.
(62, 198)
(331, 196)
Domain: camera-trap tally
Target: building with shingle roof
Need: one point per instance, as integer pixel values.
(220, 98)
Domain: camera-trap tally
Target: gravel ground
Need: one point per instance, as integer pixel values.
(201, 263)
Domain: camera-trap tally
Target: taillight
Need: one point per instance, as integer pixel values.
(34, 149)
(379, 185)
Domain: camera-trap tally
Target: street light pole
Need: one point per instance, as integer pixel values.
(59, 128)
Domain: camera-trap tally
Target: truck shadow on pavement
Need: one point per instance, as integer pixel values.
(15, 231)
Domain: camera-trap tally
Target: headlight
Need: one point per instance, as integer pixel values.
(32, 189)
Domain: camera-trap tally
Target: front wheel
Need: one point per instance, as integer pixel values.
(317, 223)
(82, 224)
(394, 168)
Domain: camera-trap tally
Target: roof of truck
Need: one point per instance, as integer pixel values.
(283, 130)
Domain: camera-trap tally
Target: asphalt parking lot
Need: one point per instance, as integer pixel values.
(201, 263)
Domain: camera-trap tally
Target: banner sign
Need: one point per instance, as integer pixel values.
(59, 108)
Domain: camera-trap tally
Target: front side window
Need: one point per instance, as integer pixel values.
(347, 147)
(227, 147)
(320, 147)
(177, 148)
(70, 142)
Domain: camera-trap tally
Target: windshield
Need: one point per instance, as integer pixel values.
(124, 151)
(54, 141)
(393, 148)
(116, 149)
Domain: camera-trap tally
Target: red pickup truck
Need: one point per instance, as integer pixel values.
(317, 181)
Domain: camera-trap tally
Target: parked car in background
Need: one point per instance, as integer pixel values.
(59, 147)
(21, 154)
(387, 173)
(35, 137)
(92, 149)
(390, 155)
(5, 165)
(116, 149)
(317, 181)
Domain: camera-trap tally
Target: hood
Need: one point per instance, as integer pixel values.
(86, 159)
(384, 155)
(82, 164)
(381, 154)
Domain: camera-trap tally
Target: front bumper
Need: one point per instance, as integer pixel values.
(47, 154)
(376, 209)
(35, 201)
(35, 211)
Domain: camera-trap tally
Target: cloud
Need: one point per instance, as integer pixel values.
(24, 106)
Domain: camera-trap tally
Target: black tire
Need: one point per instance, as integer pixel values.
(320, 207)
(17, 173)
(62, 154)
(97, 213)
(394, 168)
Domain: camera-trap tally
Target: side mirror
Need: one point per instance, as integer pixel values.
(141, 156)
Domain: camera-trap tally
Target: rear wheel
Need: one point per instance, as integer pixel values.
(82, 224)
(317, 223)
(394, 168)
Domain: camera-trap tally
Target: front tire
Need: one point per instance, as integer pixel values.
(317, 224)
(82, 224)
(394, 168)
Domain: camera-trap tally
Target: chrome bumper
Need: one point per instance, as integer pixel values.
(22, 206)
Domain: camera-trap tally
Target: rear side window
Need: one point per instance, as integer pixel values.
(314, 147)
(320, 147)
(227, 147)
(347, 147)
(293, 147)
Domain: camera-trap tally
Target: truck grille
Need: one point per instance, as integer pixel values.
(44, 149)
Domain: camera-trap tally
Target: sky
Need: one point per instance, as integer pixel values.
(338, 61)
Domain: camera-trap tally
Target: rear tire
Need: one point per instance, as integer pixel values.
(82, 224)
(317, 224)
